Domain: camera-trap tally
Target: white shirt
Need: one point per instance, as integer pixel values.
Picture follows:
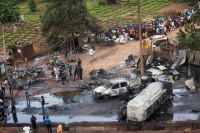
(26, 129)
(91, 51)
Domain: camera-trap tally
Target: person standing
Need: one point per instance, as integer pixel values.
(26, 129)
(56, 73)
(76, 72)
(80, 72)
(27, 98)
(79, 62)
(3, 86)
(91, 54)
(69, 67)
(9, 86)
(59, 128)
(47, 122)
(42, 103)
(33, 122)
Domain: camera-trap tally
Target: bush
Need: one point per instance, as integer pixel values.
(32, 5)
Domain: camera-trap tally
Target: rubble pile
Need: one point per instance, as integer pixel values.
(24, 77)
(100, 73)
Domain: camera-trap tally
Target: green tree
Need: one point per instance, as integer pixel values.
(189, 39)
(67, 18)
(32, 5)
(8, 11)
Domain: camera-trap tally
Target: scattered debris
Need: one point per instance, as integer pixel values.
(190, 84)
(155, 71)
(132, 61)
(55, 107)
(195, 110)
(194, 58)
(100, 73)
(163, 78)
(161, 67)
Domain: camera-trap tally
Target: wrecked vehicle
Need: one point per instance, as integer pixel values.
(114, 87)
(146, 102)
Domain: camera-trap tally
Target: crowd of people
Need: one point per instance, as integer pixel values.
(74, 71)
(158, 26)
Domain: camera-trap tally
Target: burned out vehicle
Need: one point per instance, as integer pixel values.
(112, 88)
(146, 102)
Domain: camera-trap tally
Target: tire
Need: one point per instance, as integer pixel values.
(105, 97)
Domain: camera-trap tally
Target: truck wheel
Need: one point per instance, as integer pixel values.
(105, 97)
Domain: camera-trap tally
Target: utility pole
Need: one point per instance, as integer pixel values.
(140, 37)
(4, 48)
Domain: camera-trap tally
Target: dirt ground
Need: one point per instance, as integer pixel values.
(174, 7)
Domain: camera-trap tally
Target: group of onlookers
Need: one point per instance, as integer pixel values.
(157, 26)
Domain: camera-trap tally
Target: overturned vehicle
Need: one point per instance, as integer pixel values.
(146, 102)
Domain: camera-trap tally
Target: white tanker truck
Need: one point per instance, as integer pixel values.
(146, 102)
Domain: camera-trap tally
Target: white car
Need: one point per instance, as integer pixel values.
(112, 88)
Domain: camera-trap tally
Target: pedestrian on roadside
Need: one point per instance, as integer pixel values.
(9, 86)
(33, 122)
(59, 128)
(91, 54)
(47, 122)
(80, 72)
(79, 62)
(165, 30)
(56, 71)
(3, 86)
(76, 72)
(1, 95)
(26, 129)
(42, 101)
(69, 67)
(27, 98)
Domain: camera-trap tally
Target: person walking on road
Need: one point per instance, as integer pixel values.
(59, 128)
(33, 122)
(47, 122)
(91, 54)
(42, 103)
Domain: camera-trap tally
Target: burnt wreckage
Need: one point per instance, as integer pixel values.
(146, 102)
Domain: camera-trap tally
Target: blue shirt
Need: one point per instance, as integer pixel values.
(47, 121)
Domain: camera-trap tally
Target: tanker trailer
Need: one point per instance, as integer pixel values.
(146, 102)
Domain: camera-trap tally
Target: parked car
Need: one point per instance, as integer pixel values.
(114, 87)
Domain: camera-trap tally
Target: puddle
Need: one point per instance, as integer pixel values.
(67, 94)
(24, 118)
(185, 117)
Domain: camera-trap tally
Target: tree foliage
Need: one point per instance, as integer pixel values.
(67, 18)
(8, 11)
(32, 5)
(189, 39)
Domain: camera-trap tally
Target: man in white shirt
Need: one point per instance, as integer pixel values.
(91, 54)
(26, 129)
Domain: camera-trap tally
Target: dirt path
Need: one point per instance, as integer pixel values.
(110, 56)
